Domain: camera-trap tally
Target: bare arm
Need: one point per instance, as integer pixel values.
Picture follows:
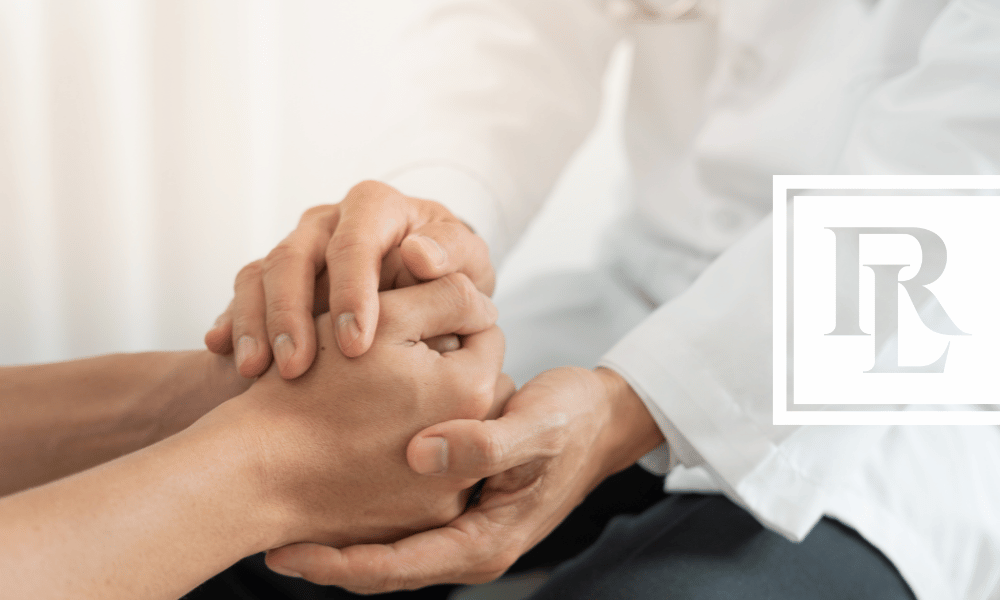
(151, 524)
(63, 418)
(283, 462)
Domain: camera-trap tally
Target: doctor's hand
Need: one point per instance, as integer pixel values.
(337, 260)
(334, 441)
(558, 438)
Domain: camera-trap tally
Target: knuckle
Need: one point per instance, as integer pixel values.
(553, 440)
(425, 206)
(313, 212)
(247, 322)
(487, 452)
(282, 254)
(482, 394)
(366, 191)
(249, 273)
(280, 307)
(243, 324)
(349, 241)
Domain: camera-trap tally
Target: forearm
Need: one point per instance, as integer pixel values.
(62, 418)
(153, 524)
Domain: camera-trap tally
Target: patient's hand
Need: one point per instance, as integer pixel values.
(333, 442)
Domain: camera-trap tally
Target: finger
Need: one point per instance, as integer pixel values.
(394, 274)
(475, 449)
(253, 354)
(219, 339)
(472, 549)
(373, 218)
(483, 351)
(450, 304)
(289, 276)
(444, 343)
(473, 372)
(443, 247)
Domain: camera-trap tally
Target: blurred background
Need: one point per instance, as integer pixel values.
(151, 148)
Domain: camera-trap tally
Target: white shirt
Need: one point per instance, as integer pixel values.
(502, 92)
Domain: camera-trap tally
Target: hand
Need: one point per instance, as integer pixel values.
(559, 436)
(334, 440)
(337, 260)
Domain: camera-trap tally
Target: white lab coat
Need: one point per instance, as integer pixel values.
(500, 94)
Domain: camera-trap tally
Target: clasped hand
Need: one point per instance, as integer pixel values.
(549, 445)
(333, 442)
(558, 437)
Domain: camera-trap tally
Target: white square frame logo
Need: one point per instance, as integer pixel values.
(817, 378)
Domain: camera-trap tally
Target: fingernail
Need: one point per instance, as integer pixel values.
(347, 330)
(431, 248)
(431, 456)
(245, 348)
(218, 322)
(283, 571)
(450, 344)
(284, 348)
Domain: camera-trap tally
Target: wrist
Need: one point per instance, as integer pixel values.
(198, 382)
(221, 380)
(232, 434)
(265, 431)
(632, 431)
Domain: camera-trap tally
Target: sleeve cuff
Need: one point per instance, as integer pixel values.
(676, 449)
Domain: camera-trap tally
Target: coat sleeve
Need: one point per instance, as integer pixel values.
(702, 362)
(942, 116)
(491, 99)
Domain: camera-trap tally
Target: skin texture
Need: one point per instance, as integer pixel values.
(561, 435)
(66, 417)
(344, 412)
(337, 260)
(320, 459)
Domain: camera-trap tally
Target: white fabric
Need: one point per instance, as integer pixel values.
(151, 148)
(503, 91)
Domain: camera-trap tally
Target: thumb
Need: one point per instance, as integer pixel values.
(471, 449)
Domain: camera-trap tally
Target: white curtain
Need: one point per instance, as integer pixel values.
(150, 148)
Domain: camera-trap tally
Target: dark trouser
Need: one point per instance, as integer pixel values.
(692, 546)
(681, 547)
